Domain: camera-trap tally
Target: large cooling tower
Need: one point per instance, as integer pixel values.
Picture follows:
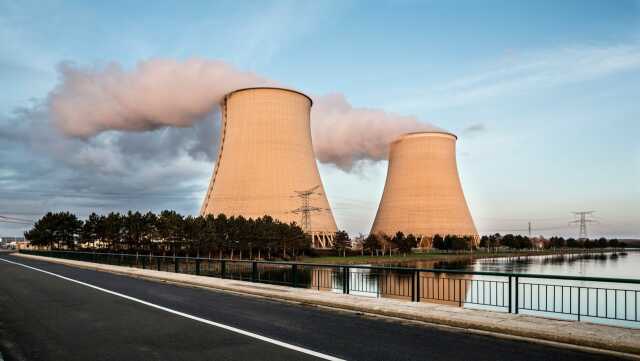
(266, 164)
(423, 195)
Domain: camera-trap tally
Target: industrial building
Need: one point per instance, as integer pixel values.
(422, 194)
(266, 163)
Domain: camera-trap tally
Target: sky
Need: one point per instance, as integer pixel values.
(543, 96)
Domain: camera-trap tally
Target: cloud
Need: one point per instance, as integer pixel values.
(157, 93)
(161, 95)
(344, 135)
(42, 169)
(520, 72)
(474, 129)
(110, 139)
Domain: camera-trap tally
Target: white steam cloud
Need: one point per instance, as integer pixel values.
(161, 92)
(343, 135)
(156, 93)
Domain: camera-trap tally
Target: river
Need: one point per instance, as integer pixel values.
(614, 303)
(615, 265)
(610, 264)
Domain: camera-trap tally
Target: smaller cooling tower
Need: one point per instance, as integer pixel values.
(422, 194)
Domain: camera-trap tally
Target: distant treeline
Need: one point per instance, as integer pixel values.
(171, 233)
(523, 242)
(264, 237)
(404, 243)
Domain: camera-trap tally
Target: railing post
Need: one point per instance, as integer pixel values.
(580, 301)
(222, 268)
(198, 266)
(294, 275)
(158, 261)
(509, 300)
(413, 286)
(417, 286)
(176, 267)
(516, 300)
(254, 271)
(459, 292)
(345, 280)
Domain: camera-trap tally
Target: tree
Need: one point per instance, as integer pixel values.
(457, 243)
(170, 228)
(113, 229)
(133, 228)
(556, 242)
(66, 228)
(601, 242)
(438, 242)
(371, 243)
(341, 242)
(404, 243)
(485, 242)
(43, 231)
(135, 232)
(509, 240)
(149, 231)
(89, 233)
(495, 240)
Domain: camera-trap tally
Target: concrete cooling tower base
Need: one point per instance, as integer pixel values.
(422, 194)
(266, 163)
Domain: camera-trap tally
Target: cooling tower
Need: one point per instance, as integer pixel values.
(422, 194)
(266, 164)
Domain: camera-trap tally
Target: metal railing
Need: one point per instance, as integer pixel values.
(612, 300)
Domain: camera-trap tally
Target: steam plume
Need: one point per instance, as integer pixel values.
(343, 135)
(156, 93)
(162, 92)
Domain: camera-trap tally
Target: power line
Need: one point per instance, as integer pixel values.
(12, 222)
(15, 219)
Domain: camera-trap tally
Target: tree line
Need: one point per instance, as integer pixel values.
(220, 236)
(405, 243)
(171, 233)
(522, 242)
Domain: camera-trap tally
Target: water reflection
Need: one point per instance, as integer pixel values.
(608, 302)
(611, 303)
(615, 264)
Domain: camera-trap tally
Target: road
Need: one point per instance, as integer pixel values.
(112, 317)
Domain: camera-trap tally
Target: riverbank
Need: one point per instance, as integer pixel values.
(448, 257)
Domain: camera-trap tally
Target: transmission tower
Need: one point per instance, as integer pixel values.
(305, 210)
(582, 220)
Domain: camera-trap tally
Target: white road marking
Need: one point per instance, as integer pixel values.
(186, 315)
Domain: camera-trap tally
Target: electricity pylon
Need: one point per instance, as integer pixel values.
(582, 221)
(306, 209)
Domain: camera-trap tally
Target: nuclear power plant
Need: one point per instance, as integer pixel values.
(266, 166)
(422, 194)
(266, 163)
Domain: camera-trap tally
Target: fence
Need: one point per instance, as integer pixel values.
(609, 300)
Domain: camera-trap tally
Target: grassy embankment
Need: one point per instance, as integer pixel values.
(438, 256)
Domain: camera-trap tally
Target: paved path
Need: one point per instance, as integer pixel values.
(45, 317)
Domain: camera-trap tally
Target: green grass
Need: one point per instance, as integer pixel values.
(432, 256)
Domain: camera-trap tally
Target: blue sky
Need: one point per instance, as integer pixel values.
(543, 95)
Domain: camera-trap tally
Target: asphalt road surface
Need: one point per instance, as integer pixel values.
(111, 317)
